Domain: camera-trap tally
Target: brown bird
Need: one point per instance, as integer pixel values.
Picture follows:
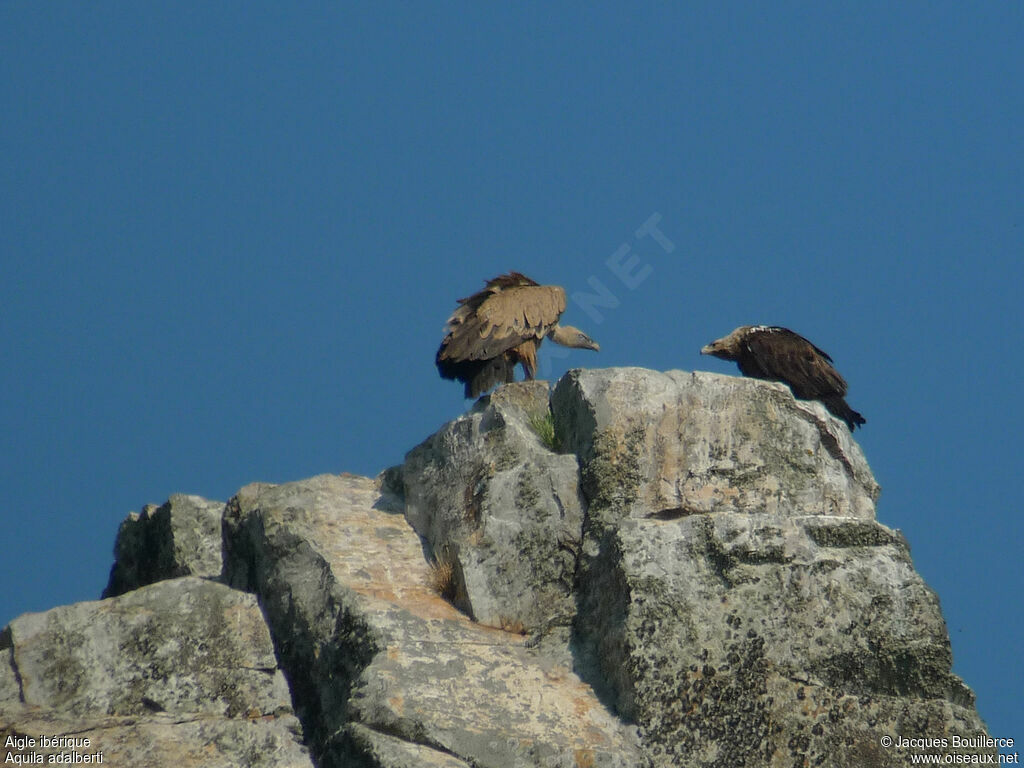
(500, 326)
(779, 354)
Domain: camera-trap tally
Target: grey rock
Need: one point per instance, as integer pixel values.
(737, 599)
(378, 750)
(160, 741)
(169, 673)
(179, 538)
(505, 511)
(381, 668)
(702, 573)
(702, 442)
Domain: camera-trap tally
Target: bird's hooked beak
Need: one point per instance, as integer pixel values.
(568, 336)
(582, 341)
(717, 348)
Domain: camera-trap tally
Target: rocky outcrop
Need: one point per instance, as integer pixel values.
(505, 512)
(178, 673)
(737, 599)
(691, 443)
(375, 656)
(656, 569)
(178, 538)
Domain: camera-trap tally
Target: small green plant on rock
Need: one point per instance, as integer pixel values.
(543, 424)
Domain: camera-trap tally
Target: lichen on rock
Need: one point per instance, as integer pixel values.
(696, 578)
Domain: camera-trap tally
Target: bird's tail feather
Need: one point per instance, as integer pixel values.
(838, 407)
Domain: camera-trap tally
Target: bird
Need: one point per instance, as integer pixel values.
(779, 354)
(500, 326)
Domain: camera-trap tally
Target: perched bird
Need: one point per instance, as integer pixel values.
(500, 326)
(778, 354)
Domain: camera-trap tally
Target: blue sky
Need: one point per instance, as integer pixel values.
(231, 234)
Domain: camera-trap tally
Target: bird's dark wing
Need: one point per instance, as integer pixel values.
(783, 355)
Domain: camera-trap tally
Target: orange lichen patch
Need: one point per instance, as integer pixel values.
(512, 625)
(584, 758)
(594, 735)
(582, 705)
(397, 704)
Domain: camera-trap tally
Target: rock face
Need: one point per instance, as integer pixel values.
(702, 442)
(179, 538)
(383, 670)
(178, 673)
(503, 510)
(694, 578)
(736, 597)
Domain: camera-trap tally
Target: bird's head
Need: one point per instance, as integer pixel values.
(568, 336)
(727, 346)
